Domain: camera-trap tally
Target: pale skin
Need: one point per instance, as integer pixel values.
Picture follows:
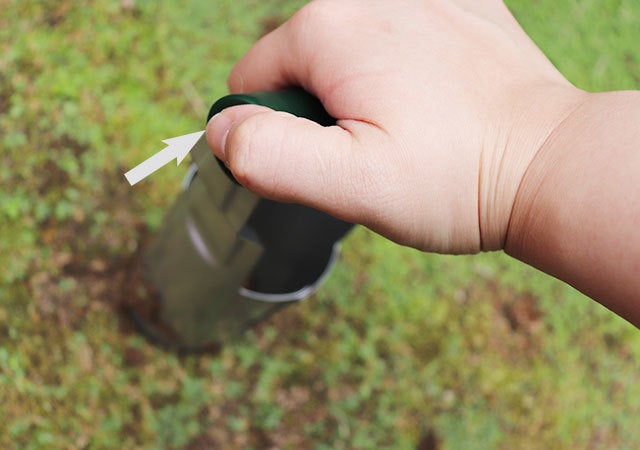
(455, 134)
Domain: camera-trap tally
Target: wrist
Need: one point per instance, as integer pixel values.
(576, 211)
(540, 192)
(530, 120)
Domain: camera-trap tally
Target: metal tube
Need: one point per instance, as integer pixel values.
(224, 258)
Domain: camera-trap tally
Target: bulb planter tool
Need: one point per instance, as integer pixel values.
(226, 259)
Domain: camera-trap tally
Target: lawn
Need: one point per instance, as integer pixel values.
(399, 349)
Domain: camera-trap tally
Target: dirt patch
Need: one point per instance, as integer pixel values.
(87, 267)
(522, 313)
(429, 441)
(518, 316)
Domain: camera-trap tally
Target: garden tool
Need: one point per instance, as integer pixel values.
(226, 259)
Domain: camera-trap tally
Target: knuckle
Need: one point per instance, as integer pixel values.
(254, 146)
(321, 16)
(240, 142)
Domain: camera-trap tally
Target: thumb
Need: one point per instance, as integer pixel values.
(287, 158)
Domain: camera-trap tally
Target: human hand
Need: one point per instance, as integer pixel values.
(440, 107)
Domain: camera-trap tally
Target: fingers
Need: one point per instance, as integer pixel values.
(286, 158)
(306, 51)
(294, 53)
(264, 67)
(280, 58)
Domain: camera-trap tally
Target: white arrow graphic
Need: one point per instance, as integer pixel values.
(177, 148)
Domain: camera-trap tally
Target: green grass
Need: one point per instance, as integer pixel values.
(482, 351)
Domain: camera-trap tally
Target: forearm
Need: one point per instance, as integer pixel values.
(577, 212)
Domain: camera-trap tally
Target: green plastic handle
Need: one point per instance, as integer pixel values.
(293, 100)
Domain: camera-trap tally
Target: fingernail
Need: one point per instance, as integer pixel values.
(217, 132)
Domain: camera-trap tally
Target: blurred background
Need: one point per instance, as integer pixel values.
(398, 350)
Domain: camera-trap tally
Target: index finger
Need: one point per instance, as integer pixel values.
(270, 64)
